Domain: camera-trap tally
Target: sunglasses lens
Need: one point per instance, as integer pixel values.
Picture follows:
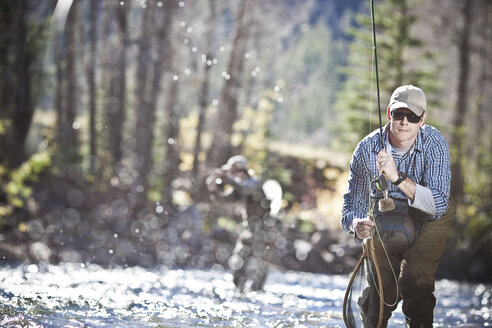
(411, 117)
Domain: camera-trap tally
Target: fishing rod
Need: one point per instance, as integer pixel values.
(372, 309)
(377, 74)
(381, 184)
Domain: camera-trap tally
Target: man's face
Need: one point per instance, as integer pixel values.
(236, 172)
(405, 125)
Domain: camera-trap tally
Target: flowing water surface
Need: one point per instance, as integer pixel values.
(78, 295)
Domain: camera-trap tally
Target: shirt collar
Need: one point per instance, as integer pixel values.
(416, 146)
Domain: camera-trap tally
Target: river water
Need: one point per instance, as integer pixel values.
(79, 295)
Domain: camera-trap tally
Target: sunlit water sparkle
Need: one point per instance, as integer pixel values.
(78, 295)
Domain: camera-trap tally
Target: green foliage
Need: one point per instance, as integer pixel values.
(309, 82)
(4, 124)
(17, 186)
(476, 208)
(251, 130)
(401, 60)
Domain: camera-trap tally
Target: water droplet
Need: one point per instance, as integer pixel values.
(32, 268)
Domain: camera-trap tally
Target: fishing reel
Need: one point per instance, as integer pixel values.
(380, 183)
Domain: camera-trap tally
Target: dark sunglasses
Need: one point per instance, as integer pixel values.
(411, 117)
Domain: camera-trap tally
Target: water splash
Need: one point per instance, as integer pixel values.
(79, 295)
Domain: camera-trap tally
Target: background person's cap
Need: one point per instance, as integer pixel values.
(239, 162)
(408, 96)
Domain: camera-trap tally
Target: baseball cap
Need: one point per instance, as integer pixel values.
(408, 96)
(239, 162)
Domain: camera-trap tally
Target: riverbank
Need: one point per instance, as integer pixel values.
(181, 240)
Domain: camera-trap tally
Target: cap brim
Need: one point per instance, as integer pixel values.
(400, 104)
(227, 167)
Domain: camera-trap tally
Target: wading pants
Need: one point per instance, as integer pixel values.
(415, 269)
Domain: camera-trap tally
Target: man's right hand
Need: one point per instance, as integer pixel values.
(362, 227)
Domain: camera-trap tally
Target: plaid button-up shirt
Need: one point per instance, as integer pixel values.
(426, 164)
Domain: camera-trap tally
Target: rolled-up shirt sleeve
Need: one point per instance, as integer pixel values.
(423, 200)
(437, 174)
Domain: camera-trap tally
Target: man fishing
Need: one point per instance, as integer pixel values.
(412, 160)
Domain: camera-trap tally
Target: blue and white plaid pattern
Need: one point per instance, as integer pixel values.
(427, 164)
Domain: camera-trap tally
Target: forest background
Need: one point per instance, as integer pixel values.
(113, 112)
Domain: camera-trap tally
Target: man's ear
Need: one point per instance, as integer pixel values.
(422, 121)
(388, 114)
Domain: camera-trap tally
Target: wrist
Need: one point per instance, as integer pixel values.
(401, 177)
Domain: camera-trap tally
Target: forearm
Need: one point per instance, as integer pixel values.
(420, 197)
(409, 188)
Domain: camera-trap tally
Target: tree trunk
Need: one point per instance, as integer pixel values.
(142, 103)
(148, 98)
(91, 81)
(483, 115)
(16, 96)
(23, 105)
(59, 102)
(484, 137)
(171, 163)
(221, 147)
(70, 130)
(204, 91)
(116, 95)
(120, 115)
(457, 139)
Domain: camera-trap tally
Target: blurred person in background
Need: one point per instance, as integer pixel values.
(233, 182)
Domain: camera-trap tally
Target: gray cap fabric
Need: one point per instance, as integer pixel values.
(409, 96)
